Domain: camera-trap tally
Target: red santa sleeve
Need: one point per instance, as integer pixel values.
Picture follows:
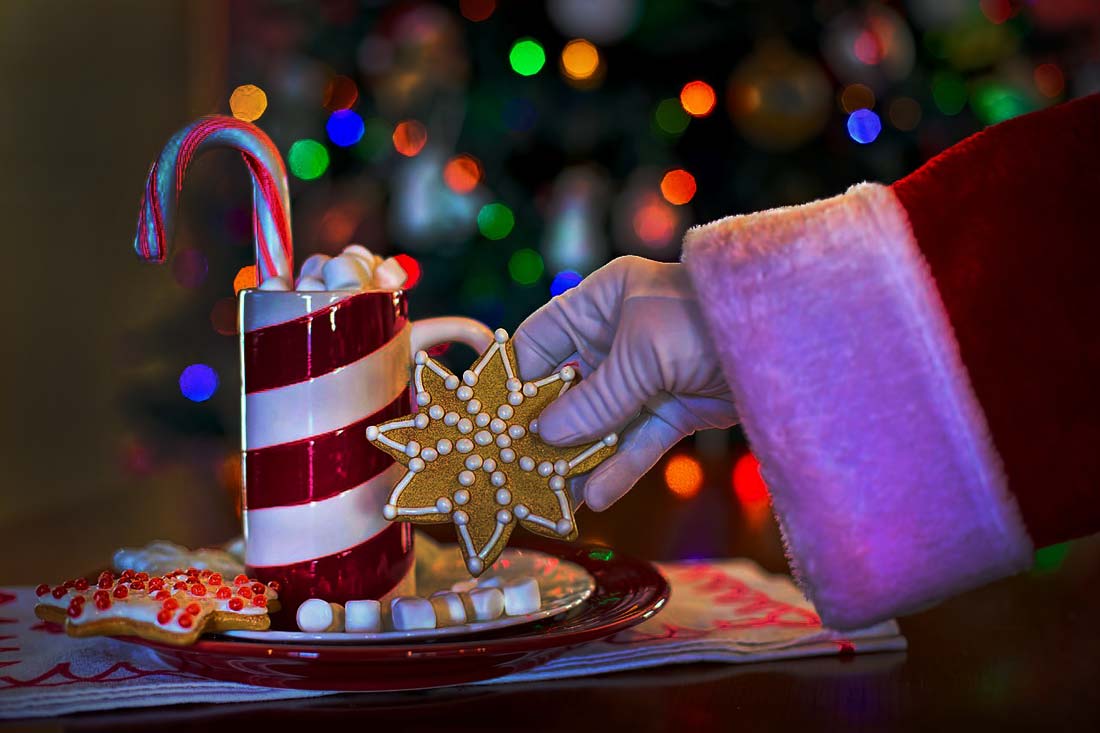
(916, 365)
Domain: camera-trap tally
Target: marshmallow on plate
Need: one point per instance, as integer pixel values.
(410, 613)
(521, 597)
(487, 603)
(448, 607)
(316, 615)
(363, 616)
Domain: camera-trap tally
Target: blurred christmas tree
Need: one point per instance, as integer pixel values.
(511, 148)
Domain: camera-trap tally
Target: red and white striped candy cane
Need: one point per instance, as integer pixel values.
(270, 197)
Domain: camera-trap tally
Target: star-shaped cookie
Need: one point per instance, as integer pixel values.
(474, 457)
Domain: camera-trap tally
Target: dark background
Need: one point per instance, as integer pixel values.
(94, 412)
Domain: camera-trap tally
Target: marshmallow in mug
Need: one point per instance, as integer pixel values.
(356, 268)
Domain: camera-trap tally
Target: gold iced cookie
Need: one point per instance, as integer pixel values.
(474, 457)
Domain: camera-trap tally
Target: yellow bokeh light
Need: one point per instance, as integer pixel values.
(580, 59)
(248, 102)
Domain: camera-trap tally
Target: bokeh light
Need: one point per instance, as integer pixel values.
(247, 277)
(580, 59)
(409, 137)
(198, 382)
(564, 280)
(1050, 558)
(308, 159)
(1049, 80)
(948, 92)
(525, 266)
(345, 128)
(189, 268)
(671, 117)
(698, 98)
(997, 11)
(864, 126)
(748, 484)
(527, 57)
(678, 186)
(462, 173)
(477, 10)
(654, 222)
(411, 268)
(223, 316)
(904, 113)
(857, 96)
(994, 102)
(340, 93)
(495, 221)
(683, 476)
(248, 102)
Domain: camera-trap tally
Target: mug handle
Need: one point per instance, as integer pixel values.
(431, 332)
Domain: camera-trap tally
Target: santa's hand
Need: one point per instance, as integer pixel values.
(638, 332)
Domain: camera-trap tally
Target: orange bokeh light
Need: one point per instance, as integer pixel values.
(697, 98)
(684, 476)
(654, 222)
(747, 483)
(678, 186)
(462, 173)
(409, 137)
(247, 277)
(580, 59)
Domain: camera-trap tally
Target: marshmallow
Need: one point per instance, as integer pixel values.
(316, 615)
(390, 275)
(346, 272)
(409, 613)
(275, 283)
(487, 603)
(363, 616)
(521, 597)
(448, 607)
(313, 265)
(310, 284)
(364, 255)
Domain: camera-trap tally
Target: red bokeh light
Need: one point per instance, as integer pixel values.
(698, 98)
(678, 186)
(477, 10)
(748, 485)
(409, 137)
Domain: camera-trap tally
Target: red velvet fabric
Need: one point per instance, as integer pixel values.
(1008, 221)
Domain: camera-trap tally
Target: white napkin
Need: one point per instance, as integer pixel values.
(720, 611)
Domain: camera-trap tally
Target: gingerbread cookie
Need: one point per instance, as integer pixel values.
(474, 457)
(175, 608)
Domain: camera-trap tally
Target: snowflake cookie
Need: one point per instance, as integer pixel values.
(474, 457)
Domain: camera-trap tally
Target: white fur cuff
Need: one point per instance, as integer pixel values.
(887, 486)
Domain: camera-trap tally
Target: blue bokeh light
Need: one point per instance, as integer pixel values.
(198, 382)
(345, 128)
(565, 280)
(864, 126)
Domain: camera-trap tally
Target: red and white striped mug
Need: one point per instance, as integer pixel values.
(316, 369)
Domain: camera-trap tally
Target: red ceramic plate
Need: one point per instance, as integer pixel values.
(628, 591)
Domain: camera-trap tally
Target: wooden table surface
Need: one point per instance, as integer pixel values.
(1020, 653)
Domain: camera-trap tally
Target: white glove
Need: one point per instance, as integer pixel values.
(637, 331)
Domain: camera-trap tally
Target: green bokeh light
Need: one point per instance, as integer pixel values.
(525, 266)
(949, 92)
(602, 554)
(308, 159)
(495, 221)
(993, 103)
(671, 117)
(527, 57)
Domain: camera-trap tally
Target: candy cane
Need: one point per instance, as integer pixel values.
(270, 198)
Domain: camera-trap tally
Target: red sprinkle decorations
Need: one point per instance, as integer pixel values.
(186, 621)
(160, 595)
(194, 609)
(81, 584)
(171, 604)
(224, 592)
(59, 591)
(164, 616)
(244, 592)
(260, 601)
(240, 579)
(75, 609)
(198, 589)
(42, 590)
(215, 579)
(103, 602)
(156, 583)
(137, 585)
(236, 604)
(275, 586)
(121, 592)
